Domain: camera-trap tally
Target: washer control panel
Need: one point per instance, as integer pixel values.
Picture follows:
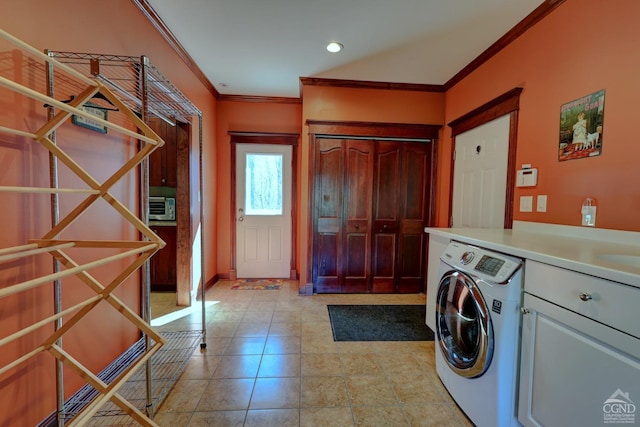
(488, 265)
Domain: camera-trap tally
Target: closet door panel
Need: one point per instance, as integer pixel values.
(387, 181)
(356, 278)
(416, 161)
(329, 180)
(384, 262)
(357, 224)
(415, 181)
(371, 204)
(328, 208)
(386, 207)
(327, 273)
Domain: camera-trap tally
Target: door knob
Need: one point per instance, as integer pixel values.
(585, 296)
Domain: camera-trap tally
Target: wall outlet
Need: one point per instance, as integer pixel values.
(589, 216)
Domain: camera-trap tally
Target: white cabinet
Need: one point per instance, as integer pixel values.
(575, 368)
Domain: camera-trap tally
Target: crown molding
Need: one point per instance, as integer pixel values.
(362, 84)
(164, 31)
(251, 98)
(529, 21)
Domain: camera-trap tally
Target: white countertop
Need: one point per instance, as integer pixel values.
(575, 248)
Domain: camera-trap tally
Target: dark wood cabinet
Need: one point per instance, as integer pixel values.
(371, 204)
(163, 263)
(163, 165)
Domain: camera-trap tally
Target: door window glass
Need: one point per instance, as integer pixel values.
(263, 180)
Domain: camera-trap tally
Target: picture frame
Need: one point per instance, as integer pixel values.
(581, 127)
(86, 122)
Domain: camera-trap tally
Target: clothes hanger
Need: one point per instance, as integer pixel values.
(98, 95)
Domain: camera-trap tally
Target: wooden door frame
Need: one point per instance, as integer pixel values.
(507, 103)
(184, 250)
(266, 138)
(371, 130)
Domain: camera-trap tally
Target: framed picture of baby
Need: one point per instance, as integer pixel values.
(581, 127)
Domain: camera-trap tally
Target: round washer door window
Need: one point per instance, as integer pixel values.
(463, 324)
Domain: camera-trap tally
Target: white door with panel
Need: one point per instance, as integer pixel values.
(480, 175)
(263, 210)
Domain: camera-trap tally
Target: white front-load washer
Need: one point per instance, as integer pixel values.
(477, 332)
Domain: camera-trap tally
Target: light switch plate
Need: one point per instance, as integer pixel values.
(526, 203)
(541, 203)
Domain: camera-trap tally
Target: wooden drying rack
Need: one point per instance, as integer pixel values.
(50, 243)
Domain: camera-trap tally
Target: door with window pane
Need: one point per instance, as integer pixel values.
(263, 210)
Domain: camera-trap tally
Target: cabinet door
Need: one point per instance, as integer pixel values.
(163, 263)
(163, 161)
(575, 371)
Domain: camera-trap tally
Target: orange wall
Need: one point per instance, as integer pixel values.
(350, 104)
(243, 116)
(27, 394)
(319, 103)
(580, 48)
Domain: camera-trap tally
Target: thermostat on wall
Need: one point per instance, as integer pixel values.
(527, 177)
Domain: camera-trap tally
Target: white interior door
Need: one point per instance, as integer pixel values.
(263, 216)
(480, 175)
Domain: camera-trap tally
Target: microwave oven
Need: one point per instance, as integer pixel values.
(162, 208)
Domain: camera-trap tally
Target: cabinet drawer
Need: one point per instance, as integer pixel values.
(604, 301)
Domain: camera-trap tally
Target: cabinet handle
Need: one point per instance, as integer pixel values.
(585, 296)
(357, 226)
(525, 310)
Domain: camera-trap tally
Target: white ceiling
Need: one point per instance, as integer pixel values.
(263, 47)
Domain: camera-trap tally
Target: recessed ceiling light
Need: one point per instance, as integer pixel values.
(334, 47)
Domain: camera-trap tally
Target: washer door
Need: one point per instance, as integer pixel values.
(463, 324)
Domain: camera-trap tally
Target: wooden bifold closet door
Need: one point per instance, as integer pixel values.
(371, 204)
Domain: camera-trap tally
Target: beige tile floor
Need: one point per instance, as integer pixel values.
(271, 361)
